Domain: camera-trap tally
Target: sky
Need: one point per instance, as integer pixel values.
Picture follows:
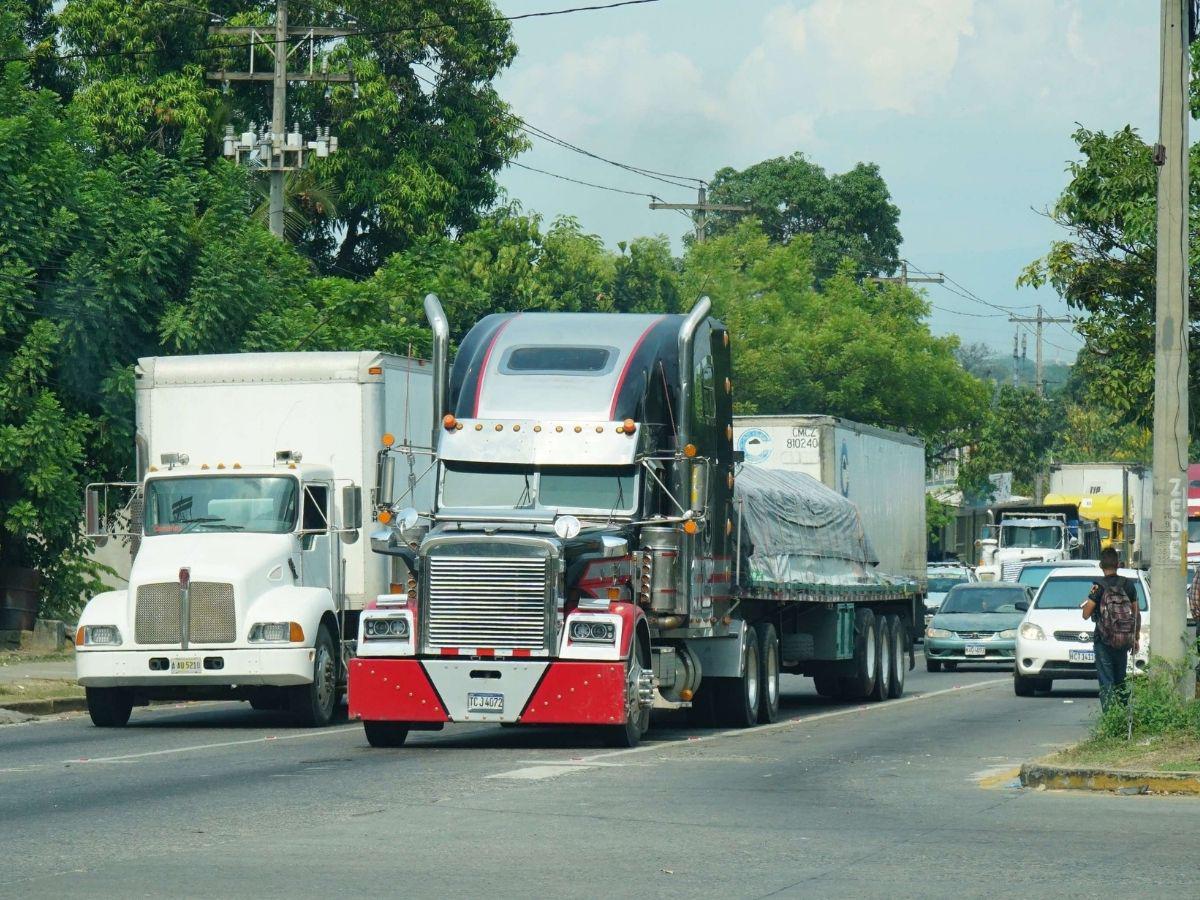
(967, 106)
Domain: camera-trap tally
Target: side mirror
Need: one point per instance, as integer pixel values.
(351, 512)
(407, 518)
(1022, 605)
(91, 515)
(385, 479)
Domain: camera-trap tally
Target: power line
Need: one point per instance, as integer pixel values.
(601, 187)
(373, 32)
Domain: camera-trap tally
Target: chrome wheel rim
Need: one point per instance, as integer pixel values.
(870, 642)
(885, 664)
(325, 678)
(751, 676)
(773, 675)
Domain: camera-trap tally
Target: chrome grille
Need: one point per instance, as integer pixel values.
(1011, 569)
(211, 618)
(493, 602)
(1076, 637)
(975, 635)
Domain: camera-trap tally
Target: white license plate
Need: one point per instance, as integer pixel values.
(485, 703)
(186, 665)
(1084, 656)
(976, 650)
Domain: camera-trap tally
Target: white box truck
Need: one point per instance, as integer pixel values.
(1125, 489)
(248, 571)
(881, 472)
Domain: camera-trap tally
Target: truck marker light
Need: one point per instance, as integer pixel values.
(516, 427)
(614, 593)
(375, 370)
(629, 426)
(686, 695)
(599, 429)
(730, 480)
(204, 467)
(729, 432)
(689, 450)
(295, 632)
(690, 527)
(237, 465)
(499, 427)
(220, 465)
(558, 428)
(448, 421)
(537, 428)
(728, 527)
(578, 428)
(79, 636)
(479, 426)
(385, 516)
(458, 426)
(388, 439)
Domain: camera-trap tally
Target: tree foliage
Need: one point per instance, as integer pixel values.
(1015, 436)
(846, 216)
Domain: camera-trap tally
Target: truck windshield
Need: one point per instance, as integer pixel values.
(1040, 537)
(248, 503)
(599, 489)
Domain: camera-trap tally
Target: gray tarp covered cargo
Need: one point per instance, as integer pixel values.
(797, 533)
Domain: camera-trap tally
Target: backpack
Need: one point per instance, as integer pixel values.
(1118, 618)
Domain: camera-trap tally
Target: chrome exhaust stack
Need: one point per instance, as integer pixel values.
(440, 327)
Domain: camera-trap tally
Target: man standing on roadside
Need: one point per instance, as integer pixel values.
(1112, 604)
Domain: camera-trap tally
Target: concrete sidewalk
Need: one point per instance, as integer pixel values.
(14, 669)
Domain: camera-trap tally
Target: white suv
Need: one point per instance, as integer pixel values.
(1054, 640)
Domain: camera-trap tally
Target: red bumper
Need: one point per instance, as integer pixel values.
(569, 693)
(392, 690)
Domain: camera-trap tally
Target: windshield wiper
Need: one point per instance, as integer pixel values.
(217, 521)
(525, 501)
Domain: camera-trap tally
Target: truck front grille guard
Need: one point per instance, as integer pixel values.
(212, 615)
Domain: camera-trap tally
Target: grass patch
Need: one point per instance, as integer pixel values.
(1177, 752)
(16, 657)
(38, 689)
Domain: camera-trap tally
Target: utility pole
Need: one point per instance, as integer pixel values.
(279, 151)
(701, 207)
(1168, 626)
(905, 279)
(1040, 319)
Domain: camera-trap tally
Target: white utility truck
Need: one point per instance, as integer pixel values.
(248, 573)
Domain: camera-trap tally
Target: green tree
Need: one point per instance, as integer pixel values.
(847, 216)
(1016, 436)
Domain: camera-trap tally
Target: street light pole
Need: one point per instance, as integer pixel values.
(279, 113)
(1168, 622)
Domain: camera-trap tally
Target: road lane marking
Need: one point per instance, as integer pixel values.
(217, 746)
(537, 773)
(793, 723)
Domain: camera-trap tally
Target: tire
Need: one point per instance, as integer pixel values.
(737, 698)
(768, 672)
(109, 707)
(314, 704)
(882, 688)
(900, 648)
(828, 686)
(1045, 685)
(932, 665)
(1024, 687)
(385, 734)
(951, 666)
(637, 717)
(267, 701)
(861, 682)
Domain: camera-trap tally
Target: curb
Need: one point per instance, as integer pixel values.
(1121, 781)
(47, 707)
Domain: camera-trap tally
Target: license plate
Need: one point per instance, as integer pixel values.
(186, 665)
(485, 703)
(1084, 656)
(976, 650)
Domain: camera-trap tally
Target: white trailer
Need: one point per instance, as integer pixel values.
(881, 472)
(248, 571)
(1132, 482)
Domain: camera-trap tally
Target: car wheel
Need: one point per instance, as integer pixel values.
(951, 666)
(1022, 686)
(1045, 685)
(932, 665)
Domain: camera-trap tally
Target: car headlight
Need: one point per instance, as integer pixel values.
(1032, 632)
(1007, 634)
(386, 629)
(98, 636)
(938, 633)
(276, 633)
(587, 632)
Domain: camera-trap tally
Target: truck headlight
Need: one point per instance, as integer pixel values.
(386, 629)
(276, 633)
(1032, 632)
(585, 632)
(938, 633)
(99, 636)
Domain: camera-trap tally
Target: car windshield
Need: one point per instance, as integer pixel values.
(1039, 537)
(939, 584)
(248, 503)
(1069, 593)
(597, 489)
(982, 600)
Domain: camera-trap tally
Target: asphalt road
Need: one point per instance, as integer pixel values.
(903, 799)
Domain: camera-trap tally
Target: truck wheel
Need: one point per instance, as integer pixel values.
(861, 683)
(737, 698)
(1022, 686)
(385, 734)
(267, 701)
(637, 716)
(109, 707)
(899, 657)
(313, 704)
(768, 672)
(828, 686)
(932, 665)
(882, 688)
